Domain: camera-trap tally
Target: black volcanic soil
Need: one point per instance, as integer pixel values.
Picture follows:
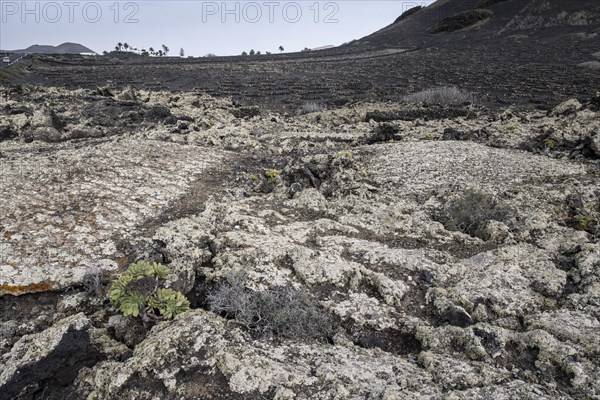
(489, 73)
(526, 52)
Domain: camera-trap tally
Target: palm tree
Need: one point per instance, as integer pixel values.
(281, 49)
(119, 46)
(165, 49)
(160, 53)
(151, 50)
(125, 46)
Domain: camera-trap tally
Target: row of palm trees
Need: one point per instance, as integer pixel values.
(126, 47)
(165, 50)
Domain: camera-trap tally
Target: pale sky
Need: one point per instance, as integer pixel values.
(199, 27)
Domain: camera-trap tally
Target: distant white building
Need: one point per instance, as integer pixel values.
(323, 48)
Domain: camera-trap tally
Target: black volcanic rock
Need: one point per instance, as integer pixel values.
(523, 17)
(489, 3)
(246, 112)
(383, 133)
(456, 316)
(371, 342)
(453, 134)
(7, 133)
(157, 113)
(594, 103)
(521, 54)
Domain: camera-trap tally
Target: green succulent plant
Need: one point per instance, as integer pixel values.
(272, 176)
(583, 221)
(137, 293)
(550, 144)
(345, 154)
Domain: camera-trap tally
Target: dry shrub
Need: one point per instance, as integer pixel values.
(283, 311)
(440, 95)
(470, 213)
(311, 107)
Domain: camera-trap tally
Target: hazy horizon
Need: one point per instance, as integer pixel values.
(199, 27)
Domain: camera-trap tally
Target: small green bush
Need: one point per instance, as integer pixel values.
(550, 144)
(471, 212)
(583, 211)
(138, 293)
(345, 154)
(283, 311)
(272, 176)
(584, 221)
(461, 20)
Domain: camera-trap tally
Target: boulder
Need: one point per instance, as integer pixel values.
(43, 134)
(56, 354)
(568, 107)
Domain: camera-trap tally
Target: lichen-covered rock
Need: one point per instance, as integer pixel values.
(187, 247)
(510, 282)
(364, 310)
(419, 307)
(515, 389)
(454, 374)
(44, 134)
(568, 107)
(62, 217)
(569, 326)
(197, 343)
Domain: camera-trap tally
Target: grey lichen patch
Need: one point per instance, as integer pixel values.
(192, 341)
(62, 206)
(476, 284)
(418, 309)
(423, 166)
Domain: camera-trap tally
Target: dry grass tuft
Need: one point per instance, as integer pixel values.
(440, 95)
(311, 107)
(284, 311)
